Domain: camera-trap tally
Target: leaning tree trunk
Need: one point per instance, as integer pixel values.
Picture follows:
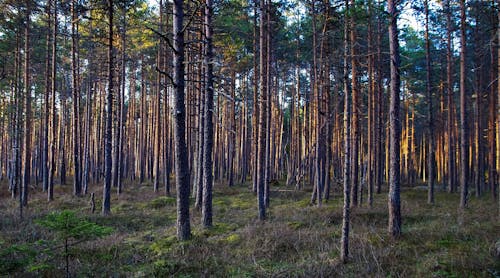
(395, 124)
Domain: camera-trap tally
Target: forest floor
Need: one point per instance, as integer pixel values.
(297, 240)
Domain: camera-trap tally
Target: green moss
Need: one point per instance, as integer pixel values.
(242, 203)
(233, 239)
(161, 202)
(303, 203)
(296, 225)
(163, 246)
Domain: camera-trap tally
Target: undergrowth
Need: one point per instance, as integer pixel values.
(297, 240)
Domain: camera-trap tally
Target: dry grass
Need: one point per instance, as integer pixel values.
(297, 240)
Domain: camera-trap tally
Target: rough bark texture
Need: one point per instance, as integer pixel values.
(181, 152)
(395, 125)
(344, 251)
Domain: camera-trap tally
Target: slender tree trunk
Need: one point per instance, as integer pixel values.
(431, 156)
(45, 148)
(106, 203)
(449, 97)
(463, 125)
(344, 246)
(208, 129)
(355, 107)
(52, 162)
(27, 104)
(261, 159)
(181, 153)
(395, 124)
(77, 186)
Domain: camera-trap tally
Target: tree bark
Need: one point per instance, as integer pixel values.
(430, 119)
(208, 128)
(344, 245)
(463, 110)
(395, 124)
(27, 105)
(181, 153)
(106, 203)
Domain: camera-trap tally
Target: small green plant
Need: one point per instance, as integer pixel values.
(72, 230)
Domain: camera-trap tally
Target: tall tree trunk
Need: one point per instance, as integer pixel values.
(45, 147)
(209, 127)
(355, 107)
(395, 124)
(77, 186)
(261, 155)
(27, 108)
(430, 119)
(449, 99)
(106, 203)
(181, 153)
(344, 246)
(463, 125)
(52, 162)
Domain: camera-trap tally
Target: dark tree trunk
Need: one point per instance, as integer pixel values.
(181, 153)
(261, 155)
(27, 104)
(209, 127)
(77, 186)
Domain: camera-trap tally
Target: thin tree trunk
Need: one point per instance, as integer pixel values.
(344, 246)
(52, 162)
(77, 186)
(106, 203)
(261, 156)
(209, 127)
(431, 156)
(395, 124)
(27, 108)
(463, 128)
